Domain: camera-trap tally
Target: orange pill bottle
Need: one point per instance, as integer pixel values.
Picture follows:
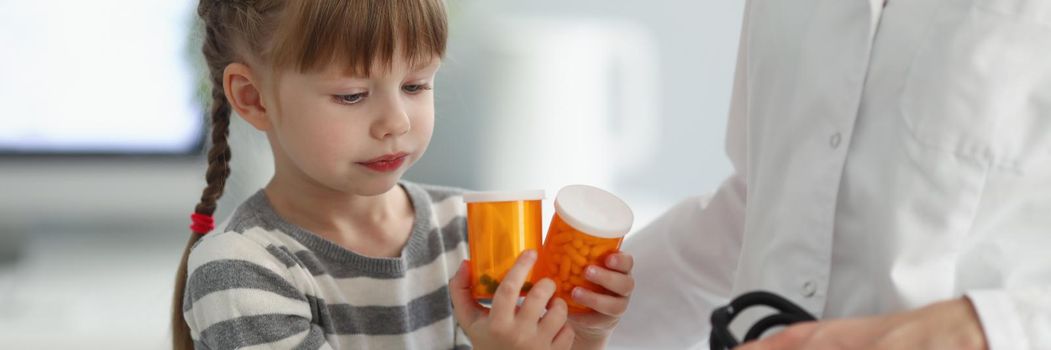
(589, 225)
(500, 226)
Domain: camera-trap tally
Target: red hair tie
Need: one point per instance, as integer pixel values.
(202, 223)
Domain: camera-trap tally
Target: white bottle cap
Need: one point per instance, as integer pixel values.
(594, 211)
(503, 196)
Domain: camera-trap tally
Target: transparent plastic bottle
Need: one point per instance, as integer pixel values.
(589, 224)
(500, 226)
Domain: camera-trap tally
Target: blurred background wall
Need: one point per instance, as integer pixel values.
(101, 124)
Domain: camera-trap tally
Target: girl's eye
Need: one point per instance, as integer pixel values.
(416, 88)
(351, 99)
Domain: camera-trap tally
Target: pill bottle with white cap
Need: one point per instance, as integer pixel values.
(589, 224)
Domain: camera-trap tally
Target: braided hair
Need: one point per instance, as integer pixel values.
(221, 35)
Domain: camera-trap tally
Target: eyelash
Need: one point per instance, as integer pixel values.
(419, 88)
(342, 99)
(415, 89)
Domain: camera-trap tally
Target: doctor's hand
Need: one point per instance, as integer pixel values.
(594, 327)
(944, 325)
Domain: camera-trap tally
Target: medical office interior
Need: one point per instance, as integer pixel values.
(103, 117)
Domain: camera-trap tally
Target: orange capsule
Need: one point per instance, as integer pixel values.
(576, 257)
(598, 251)
(567, 248)
(563, 272)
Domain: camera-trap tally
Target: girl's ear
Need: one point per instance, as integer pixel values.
(243, 91)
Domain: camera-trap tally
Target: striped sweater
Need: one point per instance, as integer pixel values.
(266, 283)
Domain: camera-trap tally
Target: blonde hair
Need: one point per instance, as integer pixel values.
(302, 35)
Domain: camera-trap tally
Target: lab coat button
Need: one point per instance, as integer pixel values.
(834, 141)
(809, 289)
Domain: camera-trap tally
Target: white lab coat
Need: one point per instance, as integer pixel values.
(885, 158)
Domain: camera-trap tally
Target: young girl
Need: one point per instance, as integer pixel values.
(336, 252)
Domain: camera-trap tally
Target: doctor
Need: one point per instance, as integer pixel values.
(892, 176)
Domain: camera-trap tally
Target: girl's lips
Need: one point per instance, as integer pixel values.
(386, 163)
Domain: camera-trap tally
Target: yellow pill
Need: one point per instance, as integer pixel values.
(576, 269)
(584, 250)
(576, 257)
(578, 243)
(566, 249)
(598, 251)
(577, 280)
(563, 272)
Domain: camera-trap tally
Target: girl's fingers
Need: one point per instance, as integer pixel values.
(554, 319)
(621, 261)
(465, 309)
(564, 339)
(506, 297)
(604, 304)
(616, 282)
(535, 302)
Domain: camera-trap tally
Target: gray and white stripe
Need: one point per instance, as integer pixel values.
(267, 283)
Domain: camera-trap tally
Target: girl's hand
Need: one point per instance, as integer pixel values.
(504, 328)
(593, 328)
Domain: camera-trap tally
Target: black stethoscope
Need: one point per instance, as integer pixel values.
(788, 313)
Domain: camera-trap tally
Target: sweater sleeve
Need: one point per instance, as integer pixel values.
(240, 295)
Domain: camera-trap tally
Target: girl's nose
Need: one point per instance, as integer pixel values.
(393, 121)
